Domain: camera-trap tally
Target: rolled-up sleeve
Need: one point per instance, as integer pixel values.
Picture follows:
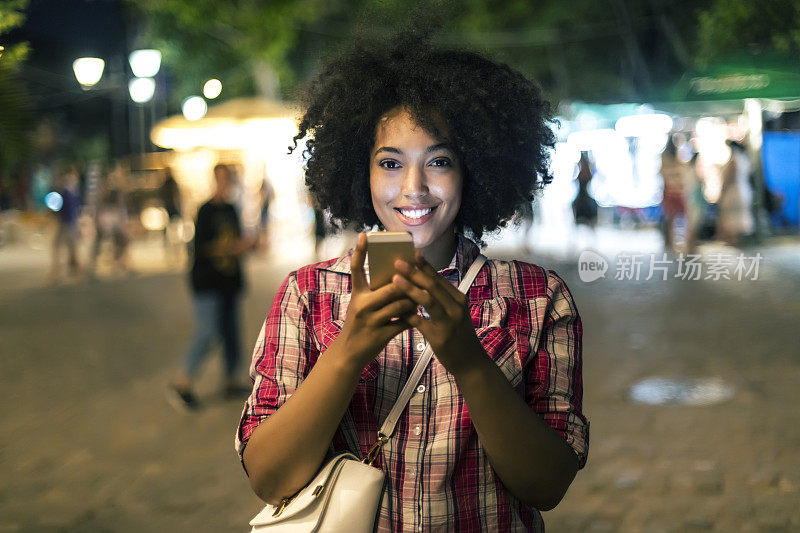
(284, 354)
(555, 383)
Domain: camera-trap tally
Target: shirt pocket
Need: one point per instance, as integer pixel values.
(500, 344)
(331, 330)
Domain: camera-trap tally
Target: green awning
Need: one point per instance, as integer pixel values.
(740, 77)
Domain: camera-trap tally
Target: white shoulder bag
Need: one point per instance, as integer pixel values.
(344, 495)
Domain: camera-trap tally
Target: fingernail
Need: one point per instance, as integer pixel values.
(401, 264)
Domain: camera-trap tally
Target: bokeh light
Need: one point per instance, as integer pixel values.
(54, 201)
(212, 88)
(194, 108)
(154, 218)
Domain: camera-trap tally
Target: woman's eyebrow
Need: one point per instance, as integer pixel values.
(390, 149)
(429, 149)
(440, 146)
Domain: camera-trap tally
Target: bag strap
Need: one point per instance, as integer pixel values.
(416, 374)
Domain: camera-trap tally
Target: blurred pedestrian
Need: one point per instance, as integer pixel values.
(67, 205)
(695, 204)
(41, 184)
(773, 204)
(266, 194)
(111, 225)
(584, 207)
(735, 205)
(217, 282)
(673, 201)
(91, 189)
(170, 195)
(444, 144)
(525, 220)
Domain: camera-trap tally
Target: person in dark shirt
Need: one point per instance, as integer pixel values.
(67, 232)
(217, 281)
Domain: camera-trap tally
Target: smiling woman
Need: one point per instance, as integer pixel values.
(441, 144)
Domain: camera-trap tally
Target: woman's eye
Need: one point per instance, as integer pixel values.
(442, 162)
(388, 163)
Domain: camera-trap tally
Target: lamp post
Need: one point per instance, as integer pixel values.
(145, 64)
(88, 71)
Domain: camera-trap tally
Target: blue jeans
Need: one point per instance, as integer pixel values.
(217, 314)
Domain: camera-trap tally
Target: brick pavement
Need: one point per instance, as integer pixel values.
(88, 442)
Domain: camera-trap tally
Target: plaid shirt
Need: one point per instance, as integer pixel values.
(438, 475)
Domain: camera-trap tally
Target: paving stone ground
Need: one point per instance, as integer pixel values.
(88, 442)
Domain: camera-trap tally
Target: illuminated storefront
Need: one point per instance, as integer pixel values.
(253, 135)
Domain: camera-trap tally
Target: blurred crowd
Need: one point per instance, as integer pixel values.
(95, 211)
(685, 216)
(98, 210)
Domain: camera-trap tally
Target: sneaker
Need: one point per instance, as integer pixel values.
(182, 400)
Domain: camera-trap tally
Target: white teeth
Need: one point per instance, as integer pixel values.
(416, 213)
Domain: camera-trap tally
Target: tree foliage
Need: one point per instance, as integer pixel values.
(607, 51)
(729, 26)
(245, 43)
(15, 113)
(12, 16)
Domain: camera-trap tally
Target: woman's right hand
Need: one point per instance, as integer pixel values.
(373, 317)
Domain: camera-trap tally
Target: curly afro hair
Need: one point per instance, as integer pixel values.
(499, 125)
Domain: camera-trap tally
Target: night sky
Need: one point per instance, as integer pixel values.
(73, 28)
(58, 32)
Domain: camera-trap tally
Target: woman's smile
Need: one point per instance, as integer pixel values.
(415, 215)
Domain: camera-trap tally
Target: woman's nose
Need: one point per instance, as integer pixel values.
(414, 183)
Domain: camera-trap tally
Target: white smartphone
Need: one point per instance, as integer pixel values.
(383, 249)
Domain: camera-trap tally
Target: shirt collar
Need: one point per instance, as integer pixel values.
(466, 252)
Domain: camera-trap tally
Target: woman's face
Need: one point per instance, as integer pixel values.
(415, 180)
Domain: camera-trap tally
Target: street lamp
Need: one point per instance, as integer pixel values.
(88, 70)
(142, 89)
(145, 63)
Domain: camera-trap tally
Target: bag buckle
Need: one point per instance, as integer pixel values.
(282, 505)
(375, 450)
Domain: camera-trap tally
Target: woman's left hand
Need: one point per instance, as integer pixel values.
(449, 331)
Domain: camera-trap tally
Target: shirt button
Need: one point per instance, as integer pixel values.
(421, 346)
(421, 388)
(412, 474)
(417, 430)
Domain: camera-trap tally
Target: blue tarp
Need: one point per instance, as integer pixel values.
(781, 160)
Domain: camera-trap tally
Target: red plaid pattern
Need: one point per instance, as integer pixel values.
(439, 478)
